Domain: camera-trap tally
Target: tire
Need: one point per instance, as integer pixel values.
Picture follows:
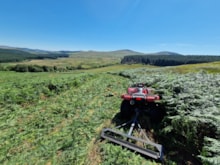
(126, 110)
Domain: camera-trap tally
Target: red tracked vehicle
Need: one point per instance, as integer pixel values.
(138, 101)
(141, 97)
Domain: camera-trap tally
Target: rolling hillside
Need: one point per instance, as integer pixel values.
(8, 54)
(113, 54)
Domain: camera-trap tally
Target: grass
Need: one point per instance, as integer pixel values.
(212, 67)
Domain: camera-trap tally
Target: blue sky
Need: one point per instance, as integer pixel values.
(183, 26)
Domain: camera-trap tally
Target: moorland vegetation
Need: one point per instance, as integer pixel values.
(55, 117)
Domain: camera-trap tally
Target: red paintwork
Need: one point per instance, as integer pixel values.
(132, 90)
(140, 93)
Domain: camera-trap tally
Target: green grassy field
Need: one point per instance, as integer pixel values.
(56, 118)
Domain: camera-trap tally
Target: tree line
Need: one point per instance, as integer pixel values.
(168, 60)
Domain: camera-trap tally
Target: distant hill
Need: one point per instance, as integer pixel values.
(127, 52)
(11, 54)
(114, 54)
(34, 51)
(14, 54)
(166, 53)
(163, 58)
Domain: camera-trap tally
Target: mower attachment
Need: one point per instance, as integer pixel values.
(152, 150)
(140, 145)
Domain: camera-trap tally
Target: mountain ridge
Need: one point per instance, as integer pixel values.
(122, 51)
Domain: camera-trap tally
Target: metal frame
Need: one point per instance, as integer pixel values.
(125, 139)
